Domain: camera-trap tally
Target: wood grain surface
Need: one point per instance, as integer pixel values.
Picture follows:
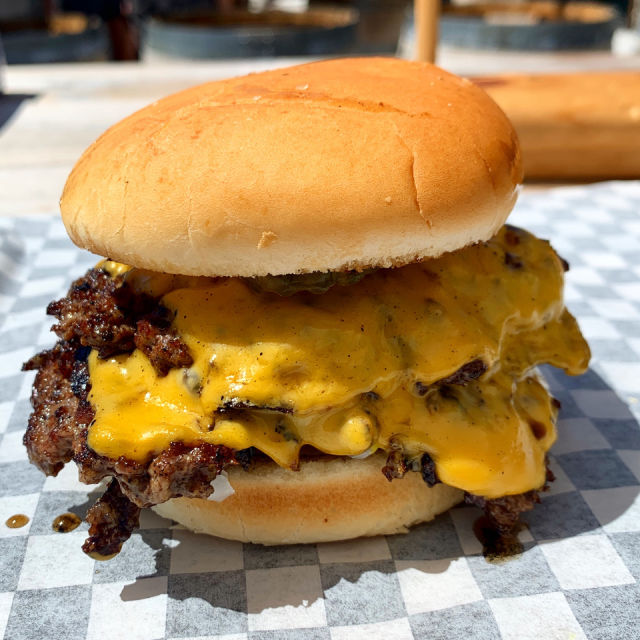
(573, 126)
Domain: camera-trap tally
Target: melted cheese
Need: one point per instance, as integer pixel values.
(338, 371)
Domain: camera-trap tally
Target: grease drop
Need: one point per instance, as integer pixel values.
(66, 522)
(17, 521)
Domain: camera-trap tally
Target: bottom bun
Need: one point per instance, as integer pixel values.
(331, 498)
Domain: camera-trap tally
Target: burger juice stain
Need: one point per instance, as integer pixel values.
(66, 522)
(497, 547)
(17, 521)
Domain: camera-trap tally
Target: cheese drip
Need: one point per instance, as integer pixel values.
(359, 367)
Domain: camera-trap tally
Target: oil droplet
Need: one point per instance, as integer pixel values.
(98, 556)
(66, 522)
(17, 521)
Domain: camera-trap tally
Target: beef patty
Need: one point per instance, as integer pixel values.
(102, 312)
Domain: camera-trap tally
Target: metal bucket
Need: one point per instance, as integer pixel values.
(208, 35)
(530, 26)
(39, 45)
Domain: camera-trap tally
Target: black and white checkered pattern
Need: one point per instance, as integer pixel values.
(578, 577)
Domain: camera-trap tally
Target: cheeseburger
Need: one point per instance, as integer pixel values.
(311, 322)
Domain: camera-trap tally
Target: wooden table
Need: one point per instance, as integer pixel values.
(58, 110)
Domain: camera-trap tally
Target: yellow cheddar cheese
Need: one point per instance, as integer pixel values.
(359, 367)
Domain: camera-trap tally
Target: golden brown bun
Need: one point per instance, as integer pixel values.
(328, 499)
(323, 166)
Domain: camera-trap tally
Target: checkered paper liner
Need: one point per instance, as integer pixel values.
(577, 578)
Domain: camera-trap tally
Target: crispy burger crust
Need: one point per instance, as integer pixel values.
(323, 166)
(328, 499)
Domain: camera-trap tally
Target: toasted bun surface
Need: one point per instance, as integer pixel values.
(323, 166)
(328, 499)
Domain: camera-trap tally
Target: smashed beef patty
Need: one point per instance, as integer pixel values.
(103, 314)
(57, 433)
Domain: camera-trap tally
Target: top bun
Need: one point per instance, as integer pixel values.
(325, 166)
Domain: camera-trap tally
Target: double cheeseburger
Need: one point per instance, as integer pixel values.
(311, 323)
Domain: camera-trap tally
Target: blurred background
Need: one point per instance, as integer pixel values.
(41, 31)
(566, 73)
